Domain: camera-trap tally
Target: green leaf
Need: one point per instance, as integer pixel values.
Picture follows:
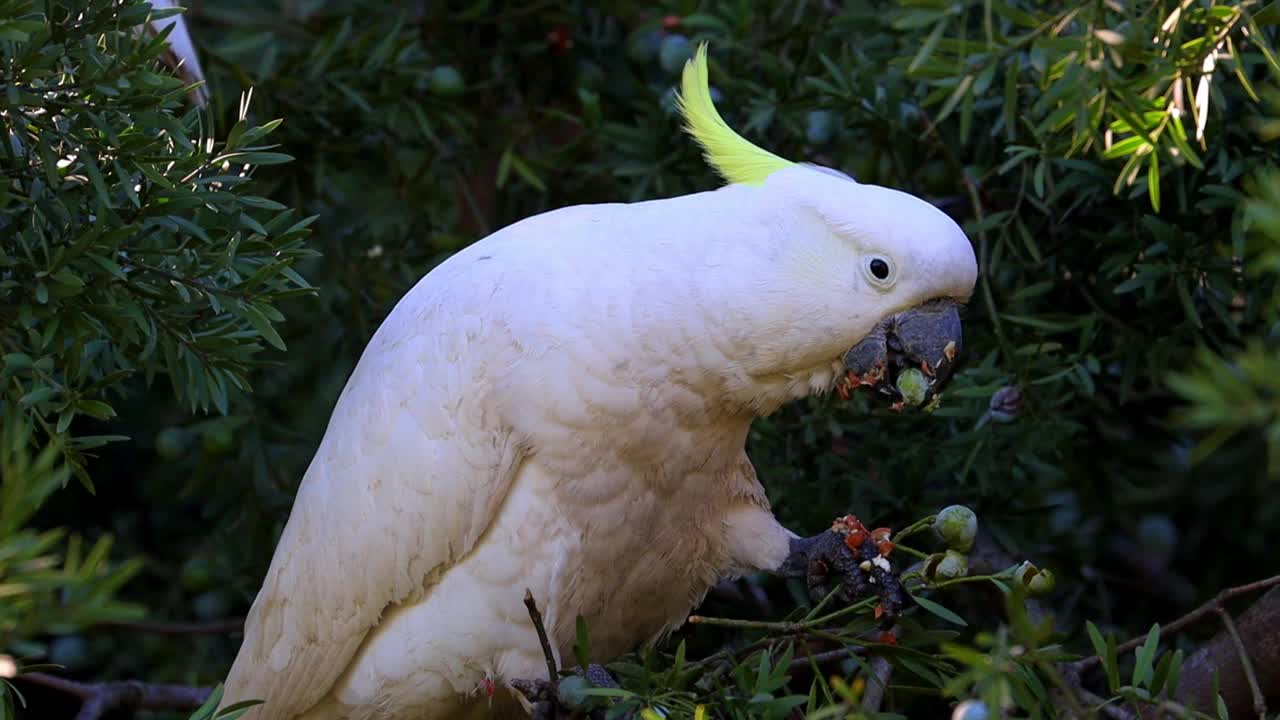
(1145, 654)
(260, 323)
(582, 644)
(939, 610)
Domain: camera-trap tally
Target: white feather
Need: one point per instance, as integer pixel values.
(562, 407)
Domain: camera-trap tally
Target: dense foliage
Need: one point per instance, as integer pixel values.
(175, 328)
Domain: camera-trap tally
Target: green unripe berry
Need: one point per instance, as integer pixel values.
(946, 566)
(70, 651)
(196, 575)
(642, 46)
(957, 525)
(970, 710)
(211, 605)
(913, 386)
(674, 52)
(218, 440)
(819, 127)
(172, 443)
(1035, 580)
(446, 81)
(571, 692)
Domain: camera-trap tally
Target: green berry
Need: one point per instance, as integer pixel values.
(946, 566)
(913, 386)
(218, 440)
(1043, 583)
(642, 46)
(196, 575)
(211, 605)
(446, 81)
(674, 52)
(957, 525)
(819, 127)
(71, 651)
(1158, 536)
(970, 710)
(571, 692)
(172, 443)
(1035, 580)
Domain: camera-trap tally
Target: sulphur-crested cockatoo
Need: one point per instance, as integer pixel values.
(562, 406)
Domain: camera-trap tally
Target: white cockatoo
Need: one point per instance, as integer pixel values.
(562, 407)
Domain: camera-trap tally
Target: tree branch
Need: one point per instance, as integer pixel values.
(553, 676)
(1259, 702)
(1217, 667)
(1209, 608)
(97, 699)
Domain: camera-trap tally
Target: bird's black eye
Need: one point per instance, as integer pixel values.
(880, 269)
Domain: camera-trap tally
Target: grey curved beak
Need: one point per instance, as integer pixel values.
(926, 337)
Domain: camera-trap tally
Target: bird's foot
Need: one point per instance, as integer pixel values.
(566, 699)
(852, 557)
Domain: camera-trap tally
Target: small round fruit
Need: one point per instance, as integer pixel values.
(1158, 536)
(946, 566)
(196, 575)
(1043, 583)
(957, 525)
(819, 127)
(172, 443)
(970, 710)
(218, 440)
(211, 605)
(446, 81)
(571, 689)
(913, 386)
(642, 46)
(674, 52)
(71, 651)
(1035, 580)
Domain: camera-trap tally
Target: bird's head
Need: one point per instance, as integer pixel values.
(874, 278)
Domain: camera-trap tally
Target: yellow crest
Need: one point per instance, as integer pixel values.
(732, 155)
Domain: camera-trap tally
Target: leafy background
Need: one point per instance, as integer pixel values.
(183, 292)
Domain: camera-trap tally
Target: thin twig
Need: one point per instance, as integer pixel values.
(1112, 711)
(823, 657)
(1190, 618)
(877, 684)
(97, 699)
(1259, 702)
(787, 628)
(552, 674)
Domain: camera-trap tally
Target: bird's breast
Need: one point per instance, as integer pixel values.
(630, 555)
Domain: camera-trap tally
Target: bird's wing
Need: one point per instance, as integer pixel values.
(410, 473)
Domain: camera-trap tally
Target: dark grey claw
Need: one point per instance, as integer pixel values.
(825, 560)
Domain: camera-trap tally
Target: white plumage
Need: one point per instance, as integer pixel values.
(563, 406)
